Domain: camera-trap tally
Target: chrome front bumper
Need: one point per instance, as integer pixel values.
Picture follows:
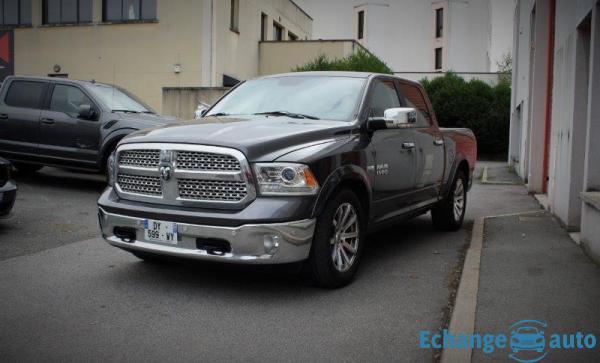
(250, 243)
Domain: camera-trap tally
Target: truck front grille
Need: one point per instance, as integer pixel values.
(193, 160)
(139, 184)
(212, 190)
(140, 158)
(184, 175)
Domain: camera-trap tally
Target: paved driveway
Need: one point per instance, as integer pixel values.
(66, 295)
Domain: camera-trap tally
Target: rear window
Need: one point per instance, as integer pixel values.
(25, 94)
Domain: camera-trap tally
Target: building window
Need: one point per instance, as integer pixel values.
(67, 11)
(439, 23)
(234, 23)
(361, 24)
(277, 32)
(263, 26)
(438, 59)
(292, 36)
(15, 12)
(128, 10)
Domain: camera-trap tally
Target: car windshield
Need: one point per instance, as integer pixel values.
(118, 99)
(314, 97)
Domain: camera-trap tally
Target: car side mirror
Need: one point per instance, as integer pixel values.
(393, 118)
(86, 112)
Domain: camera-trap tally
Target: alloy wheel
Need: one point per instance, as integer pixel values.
(459, 199)
(345, 239)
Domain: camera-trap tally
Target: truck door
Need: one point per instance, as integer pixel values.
(64, 136)
(429, 147)
(394, 156)
(19, 117)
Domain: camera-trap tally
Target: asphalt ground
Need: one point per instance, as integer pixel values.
(66, 295)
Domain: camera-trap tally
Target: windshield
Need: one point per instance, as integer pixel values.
(329, 98)
(118, 99)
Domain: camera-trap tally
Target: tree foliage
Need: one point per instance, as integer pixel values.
(476, 105)
(361, 61)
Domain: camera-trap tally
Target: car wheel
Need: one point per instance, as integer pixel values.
(25, 169)
(337, 242)
(450, 213)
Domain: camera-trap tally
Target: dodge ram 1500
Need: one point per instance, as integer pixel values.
(288, 168)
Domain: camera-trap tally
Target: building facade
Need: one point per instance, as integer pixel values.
(555, 110)
(145, 45)
(416, 37)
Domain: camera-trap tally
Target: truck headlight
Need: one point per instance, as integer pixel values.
(285, 179)
(110, 169)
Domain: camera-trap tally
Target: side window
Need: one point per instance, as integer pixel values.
(67, 99)
(26, 94)
(383, 96)
(414, 98)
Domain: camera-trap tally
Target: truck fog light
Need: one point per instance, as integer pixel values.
(271, 243)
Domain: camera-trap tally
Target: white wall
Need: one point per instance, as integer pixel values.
(401, 32)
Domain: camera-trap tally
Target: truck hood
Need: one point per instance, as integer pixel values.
(142, 120)
(260, 138)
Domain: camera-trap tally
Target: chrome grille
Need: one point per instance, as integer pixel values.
(212, 190)
(139, 184)
(140, 158)
(184, 175)
(194, 160)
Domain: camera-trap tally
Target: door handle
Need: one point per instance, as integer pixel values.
(438, 142)
(47, 121)
(408, 145)
(3, 116)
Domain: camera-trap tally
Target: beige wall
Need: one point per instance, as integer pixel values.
(281, 57)
(237, 53)
(182, 102)
(139, 57)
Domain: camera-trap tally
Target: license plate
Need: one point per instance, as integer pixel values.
(160, 231)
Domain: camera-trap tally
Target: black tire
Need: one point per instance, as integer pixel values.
(26, 169)
(443, 215)
(320, 266)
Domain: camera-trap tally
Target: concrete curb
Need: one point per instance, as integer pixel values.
(463, 315)
(484, 179)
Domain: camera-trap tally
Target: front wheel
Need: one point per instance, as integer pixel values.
(450, 213)
(338, 241)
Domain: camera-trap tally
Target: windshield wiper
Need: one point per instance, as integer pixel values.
(219, 114)
(148, 112)
(288, 114)
(126, 111)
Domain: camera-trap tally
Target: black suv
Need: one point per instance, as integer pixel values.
(68, 123)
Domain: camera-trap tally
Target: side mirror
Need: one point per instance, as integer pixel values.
(393, 118)
(201, 110)
(86, 112)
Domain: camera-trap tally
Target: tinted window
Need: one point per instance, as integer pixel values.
(383, 96)
(15, 12)
(25, 94)
(413, 97)
(124, 10)
(67, 99)
(67, 11)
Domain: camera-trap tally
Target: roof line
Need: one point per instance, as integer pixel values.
(302, 10)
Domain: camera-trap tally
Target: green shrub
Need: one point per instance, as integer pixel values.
(475, 104)
(360, 61)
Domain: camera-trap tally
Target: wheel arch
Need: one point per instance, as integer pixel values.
(110, 142)
(347, 176)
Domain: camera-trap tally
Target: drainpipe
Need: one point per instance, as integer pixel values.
(550, 80)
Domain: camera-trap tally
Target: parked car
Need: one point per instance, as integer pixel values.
(8, 189)
(68, 123)
(286, 168)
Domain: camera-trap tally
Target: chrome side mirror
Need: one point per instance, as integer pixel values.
(398, 117)
(393, 118)
(201, 110)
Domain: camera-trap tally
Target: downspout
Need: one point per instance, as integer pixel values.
(550, 80)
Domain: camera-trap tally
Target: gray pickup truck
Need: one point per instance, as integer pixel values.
(67, 123)
(288, 168)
